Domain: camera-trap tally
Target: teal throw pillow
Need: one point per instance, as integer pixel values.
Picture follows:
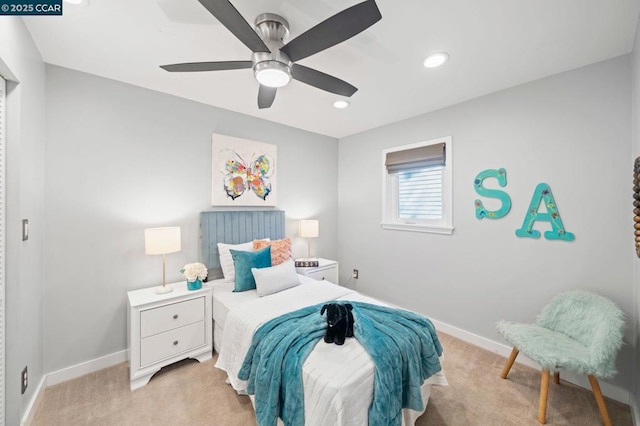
(243, 261)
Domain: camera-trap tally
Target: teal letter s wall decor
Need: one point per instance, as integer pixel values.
(501, 176)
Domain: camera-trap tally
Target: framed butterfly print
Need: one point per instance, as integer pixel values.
(244, 172)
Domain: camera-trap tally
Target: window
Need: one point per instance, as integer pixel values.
(417, 186)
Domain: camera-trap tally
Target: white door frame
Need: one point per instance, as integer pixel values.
(3, 233)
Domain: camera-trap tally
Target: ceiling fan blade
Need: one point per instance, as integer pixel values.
(336, 29)
(266, 96)
(207, 66)
(322, 81)
(229, 16)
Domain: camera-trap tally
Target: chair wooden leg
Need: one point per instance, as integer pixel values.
(556, 377)
(509, 363)
(600, 400)
(544, 392)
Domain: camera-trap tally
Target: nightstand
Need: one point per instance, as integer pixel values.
(326, 270)
(165, 328)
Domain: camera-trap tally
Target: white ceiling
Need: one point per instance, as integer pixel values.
(493, 44)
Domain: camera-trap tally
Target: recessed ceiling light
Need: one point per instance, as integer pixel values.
(436, 59)
(341, 104)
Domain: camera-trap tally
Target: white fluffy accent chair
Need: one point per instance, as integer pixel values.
(578, 331)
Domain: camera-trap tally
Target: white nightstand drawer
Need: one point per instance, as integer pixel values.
(326, 270)
(324, 274)
(169, 317)
(171, 343)
(153, 330)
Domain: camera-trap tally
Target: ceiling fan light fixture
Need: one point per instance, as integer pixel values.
(436, 59)
(341, 104)
(274, 63)
(272, 73)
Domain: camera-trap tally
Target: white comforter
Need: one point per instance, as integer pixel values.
(338, 380)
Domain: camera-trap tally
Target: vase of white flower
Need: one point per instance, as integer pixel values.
(194, 285)
(194, 273)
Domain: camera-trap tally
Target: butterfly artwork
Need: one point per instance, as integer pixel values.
(244, 172)
(241, 176)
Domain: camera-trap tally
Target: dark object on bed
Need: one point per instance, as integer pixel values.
(403, 346)
(339, 322)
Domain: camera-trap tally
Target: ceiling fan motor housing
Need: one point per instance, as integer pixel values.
(273, 30)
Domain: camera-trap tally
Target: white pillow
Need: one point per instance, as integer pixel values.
(276, 278)
(226, 261)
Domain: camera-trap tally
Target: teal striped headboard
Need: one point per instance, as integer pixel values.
(234, 227)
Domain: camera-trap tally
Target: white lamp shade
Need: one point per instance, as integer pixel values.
(309, 228)
(162, 240)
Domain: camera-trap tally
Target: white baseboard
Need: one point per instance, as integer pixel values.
(86, 367)
(69, 373)
(30, 411)
(612, 391)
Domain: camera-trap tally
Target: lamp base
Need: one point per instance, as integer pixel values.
(163, 290)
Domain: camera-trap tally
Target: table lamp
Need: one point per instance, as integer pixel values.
(162, 241)
(308, 229)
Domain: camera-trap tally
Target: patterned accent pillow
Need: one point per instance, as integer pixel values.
(280, 249)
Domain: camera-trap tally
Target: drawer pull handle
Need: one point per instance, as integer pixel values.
(175, 343)
(175, 316)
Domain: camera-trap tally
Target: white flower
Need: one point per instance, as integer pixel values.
(193, 271)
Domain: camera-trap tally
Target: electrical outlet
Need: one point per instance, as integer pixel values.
(25, 229)
(24, 379)
(355, 274)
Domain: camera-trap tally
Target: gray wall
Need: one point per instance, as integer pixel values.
(572, 131)
(120, 159)
(21, 63)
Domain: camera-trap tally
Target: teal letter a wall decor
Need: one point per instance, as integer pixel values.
(501, 175)
(543, 193)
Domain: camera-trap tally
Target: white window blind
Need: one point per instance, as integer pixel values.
(420, 193)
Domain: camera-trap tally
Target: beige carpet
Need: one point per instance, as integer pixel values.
(190, 393)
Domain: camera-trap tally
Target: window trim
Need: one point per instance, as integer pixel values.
(389, 191)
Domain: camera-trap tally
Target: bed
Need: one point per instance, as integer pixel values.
(338, 380)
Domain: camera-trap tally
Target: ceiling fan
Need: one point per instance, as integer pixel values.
(273, 61)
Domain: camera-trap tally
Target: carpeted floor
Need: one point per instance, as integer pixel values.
(190, 393)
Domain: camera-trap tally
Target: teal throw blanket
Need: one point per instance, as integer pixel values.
(403, 346)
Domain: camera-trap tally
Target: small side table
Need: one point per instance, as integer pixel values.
(165, 328)
(326, 270)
